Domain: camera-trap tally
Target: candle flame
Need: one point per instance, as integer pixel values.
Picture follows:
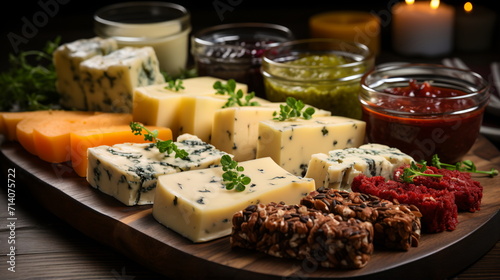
(468, 7)
(410, 2)
(434, 4)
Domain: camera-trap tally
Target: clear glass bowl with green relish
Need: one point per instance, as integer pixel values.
(324, 73)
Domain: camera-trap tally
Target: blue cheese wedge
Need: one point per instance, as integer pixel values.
(129, 171)
(236, 129)
(337, 168)
(197, 205)
(109, 80)
(291, 143)
(67, 59)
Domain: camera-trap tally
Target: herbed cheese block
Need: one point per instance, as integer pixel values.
(235, 129)
(109, 80)
(180, 110)
(337, 168)
(197, 205)
(129, 171)
(291, 143)
(82, 140)
(67, 59)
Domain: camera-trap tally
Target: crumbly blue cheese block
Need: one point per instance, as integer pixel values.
(337, 168)
(109, 80)
(291, 143)
(129, 171)
(197, 205)
(235, 129)
(67, 58)
(159, 105)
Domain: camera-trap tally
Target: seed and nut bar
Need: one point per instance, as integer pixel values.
(396, 226)
(295, 231)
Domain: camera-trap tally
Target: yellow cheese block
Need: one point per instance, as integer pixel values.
(291, 143)
(196, 204)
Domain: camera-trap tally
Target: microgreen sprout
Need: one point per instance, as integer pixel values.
(409, 173)
(463, 166)
(293, 109)
(232, 177)
(175, 85)
(236, 98)
(167, 146)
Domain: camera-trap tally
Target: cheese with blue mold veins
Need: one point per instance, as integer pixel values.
(197, 205)
(109, 81)
(291, 143)
(337, 168)
(235, 129)
(129, 171)
(67, 59)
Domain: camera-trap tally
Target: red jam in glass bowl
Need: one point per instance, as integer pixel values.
(424, 109)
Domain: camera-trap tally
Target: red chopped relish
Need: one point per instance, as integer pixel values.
(435, 121)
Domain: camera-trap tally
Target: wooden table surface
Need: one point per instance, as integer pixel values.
(48, 248)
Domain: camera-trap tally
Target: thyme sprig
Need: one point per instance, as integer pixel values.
(232, 177)
(236, 98)
(293, 109)
(463, 166)
(29, 84)
(167, 146)
(409, 173)
(175, 85)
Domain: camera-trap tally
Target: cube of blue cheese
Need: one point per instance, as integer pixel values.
(129, 171)
(291, 143)
(197, 205)
(67, 59)
(337, 168)
(235, 129)
(109, 81)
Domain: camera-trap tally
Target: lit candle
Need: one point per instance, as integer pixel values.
(422, 28)
(353, 26)
(474, 28)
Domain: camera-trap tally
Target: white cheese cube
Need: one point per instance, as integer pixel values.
(109, 80)
(337, 168)
(235, 130)
(197, 205)
(291, 143)
(129, 171)
(67, 59)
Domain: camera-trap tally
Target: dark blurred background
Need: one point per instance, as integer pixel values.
(72, 19)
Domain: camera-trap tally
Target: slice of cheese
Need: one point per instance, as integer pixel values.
(291, 143)
(160, 106)
(337, 168)
(82, 140)
(235, 130)
(109, 80)
(197, 205)
(129, 171)
(67, 59)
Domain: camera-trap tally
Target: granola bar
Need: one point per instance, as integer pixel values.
(396, 226)
(295, 231)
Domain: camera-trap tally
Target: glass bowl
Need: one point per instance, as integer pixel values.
(424, 109)
(324, 73)
(234, 51)
(161, 25)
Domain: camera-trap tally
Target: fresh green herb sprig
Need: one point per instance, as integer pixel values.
(236, 98)
(175, 85)
(232, 177)
(293, 109)
(163, 146)
(463, 166)
(409, 173)
(29, 82)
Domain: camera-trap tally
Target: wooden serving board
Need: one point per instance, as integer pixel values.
(134, 232)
